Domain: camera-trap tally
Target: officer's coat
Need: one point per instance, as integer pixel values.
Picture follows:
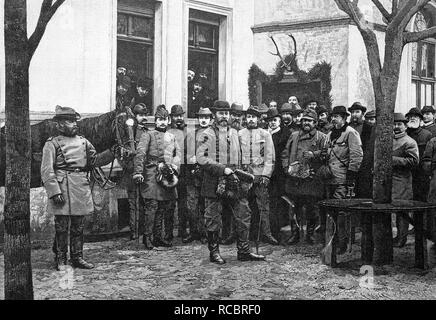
(60, 156)
(154, 147)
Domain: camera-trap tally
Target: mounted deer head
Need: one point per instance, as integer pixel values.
(286, 65)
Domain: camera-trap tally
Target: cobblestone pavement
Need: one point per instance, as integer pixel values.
(125, 270)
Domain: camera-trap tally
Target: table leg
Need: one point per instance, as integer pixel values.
(421, 258)
(331, 235)
(367, 243)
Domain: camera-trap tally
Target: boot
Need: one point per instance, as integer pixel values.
(146, 240)
(157, 230)
(270, 239)
(76, 253)
(310, 229)
(214, 256)
(60, 243)
(295, 237)
(79, 262)
(243, 246)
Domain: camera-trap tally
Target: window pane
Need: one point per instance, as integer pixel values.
(414, 58)
(431, 64)
(424, 60)
(428, 94)
(422, 95)
(205, 36)
(141, 27)
(414, 93)
(191, 34)
(122, 24)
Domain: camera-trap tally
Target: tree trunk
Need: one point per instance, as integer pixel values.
(382, 191)
(18, 272)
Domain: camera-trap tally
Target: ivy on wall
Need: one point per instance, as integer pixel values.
(319, 72)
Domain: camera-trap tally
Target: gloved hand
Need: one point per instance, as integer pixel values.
(58, 199)
(351, 178)
(138, 178)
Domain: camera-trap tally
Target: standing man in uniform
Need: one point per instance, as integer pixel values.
(301, 158)
(219, 154)
(156, 166)
(66, 160)
(258, 158)
(126, 161)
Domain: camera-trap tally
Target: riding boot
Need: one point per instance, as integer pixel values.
(168, 216)
(76, 251)
(146, 240)
(310, 228)
(157, 230)
(214, 255)
(295, 236)
(243, 246)
(132, 218)
(60, 249)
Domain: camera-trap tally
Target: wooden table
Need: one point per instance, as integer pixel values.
(332, 207)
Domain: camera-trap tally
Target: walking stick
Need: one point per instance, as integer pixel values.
(258, 233)
(138, 194)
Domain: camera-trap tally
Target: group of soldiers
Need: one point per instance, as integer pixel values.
(263, 165)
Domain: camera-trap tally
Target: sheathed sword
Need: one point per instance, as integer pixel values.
(130, 122)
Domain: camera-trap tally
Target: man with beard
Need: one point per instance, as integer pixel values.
(428, 119)
(122, 129)
(236, 115)
(179, 130)
(288, 125)
(405, 158)
(258, 158)
(263, 123)
(156, 148)
(324, 124)
(219, 154)
(293, 101)
(357, 111)
(195, 202)
(311, 104)
(278, 212)
(198, 96)
(143, 93)
(123, 98)
(345, 157)
(370, 117)
(300, 159)
(66, 160)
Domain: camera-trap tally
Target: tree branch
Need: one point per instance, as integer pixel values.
(420, 35)
(406, 11)
(394, 7)
(48, 9)
(382, 10)
(353, 11)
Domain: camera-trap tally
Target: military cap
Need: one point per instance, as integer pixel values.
(177, 110)
(221, 105)
(272, 113)
(427, 109)
(399, 117)
(414, 112)
(237, 108)
(65, 113)
(161, 112)
(340, 110)
(370, 114)
(204, 112)
(310, 114)
(140, 108)
(286, 107)
(357, 106)
(321, 109)
(254, 110)
(125, 81)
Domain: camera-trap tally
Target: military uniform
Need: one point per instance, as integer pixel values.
(258, 158)
(305, 191)
(65, 163)
(219, 150)
(156, 146)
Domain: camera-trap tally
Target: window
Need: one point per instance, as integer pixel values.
(203, 40)
(423, 65)
(135, 33)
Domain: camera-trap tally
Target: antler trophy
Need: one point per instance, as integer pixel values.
(286, 65)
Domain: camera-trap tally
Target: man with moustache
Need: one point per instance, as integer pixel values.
(293, 101)
(357, 111)
(143, 93)
(198, 95)
(345, 157)
(179, 130)
(370, 118)
(195, 202)
(324, 124)
(428, 119)
(258, 158)
(301, 158)
(156, 148)
(288, 125)
(126, 160)
(219, 154)
(236, 115)
(278, 209)
(66, 160)
(405, 158)
(123, 98)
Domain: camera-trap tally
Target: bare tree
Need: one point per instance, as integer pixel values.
(18, 53)
(385, 82)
